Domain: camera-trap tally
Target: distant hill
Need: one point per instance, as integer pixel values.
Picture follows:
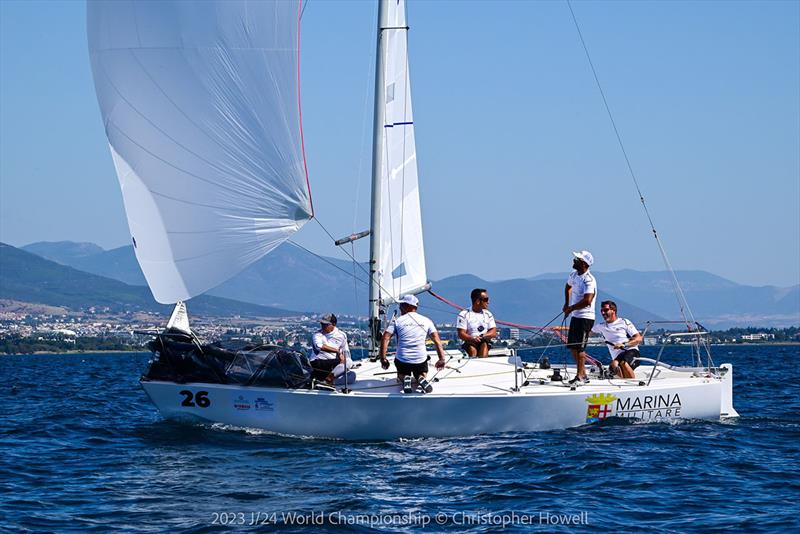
(27, 277)
(287, 278)
(64, 252)
(119, 263)
(291, 278)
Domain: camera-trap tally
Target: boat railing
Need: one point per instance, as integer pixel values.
(696, 334)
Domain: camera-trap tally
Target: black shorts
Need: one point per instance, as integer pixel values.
(322, 367)
(628, 357)
(415, 369)
(473, 344)
(578, 335)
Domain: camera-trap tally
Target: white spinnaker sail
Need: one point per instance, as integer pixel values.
(402, 262)
(200, 102)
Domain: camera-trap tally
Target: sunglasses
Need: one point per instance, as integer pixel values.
(484, 299)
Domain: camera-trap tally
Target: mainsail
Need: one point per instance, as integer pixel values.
(200, 102)
(402, 258)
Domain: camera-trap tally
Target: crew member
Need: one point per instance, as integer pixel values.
(476, 326)
(579, 295)
(411, 329)
(330, 351)
(622, 339)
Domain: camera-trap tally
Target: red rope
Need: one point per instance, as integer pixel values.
(553, 329)
(556, 330)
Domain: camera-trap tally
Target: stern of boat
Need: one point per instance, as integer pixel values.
(726, 408)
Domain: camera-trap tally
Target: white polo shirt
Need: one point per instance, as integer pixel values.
(616, 332)
(582, 284)
(475, 323)
(335, 338)
(412, 329)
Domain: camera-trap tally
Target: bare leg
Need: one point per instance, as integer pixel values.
(580, 359)
(483, 350)
(614, 365)
(472, 350)
(627, 371)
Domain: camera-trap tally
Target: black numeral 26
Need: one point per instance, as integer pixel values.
(200, 399)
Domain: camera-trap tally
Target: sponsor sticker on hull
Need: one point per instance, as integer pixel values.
(599, 407)
(643, 407)
(241, 403)
(263, 405)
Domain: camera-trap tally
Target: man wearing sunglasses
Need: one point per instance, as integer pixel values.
(579, 295)
(476, 326)
(622, 339)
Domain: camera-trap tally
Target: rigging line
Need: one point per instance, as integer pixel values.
(352, 257)
(302, 11)
(683, 304)
(437, 309)
(523, 327)
(298, 245)
(377, 281)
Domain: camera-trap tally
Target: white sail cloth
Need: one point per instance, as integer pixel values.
(402, 261)
(200, 102)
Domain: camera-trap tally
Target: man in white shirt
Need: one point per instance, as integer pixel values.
(622, 339)
(579, 295)
(329, 350)
(411, 329)
(476, 326)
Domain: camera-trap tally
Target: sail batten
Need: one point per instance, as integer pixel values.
(200, 103)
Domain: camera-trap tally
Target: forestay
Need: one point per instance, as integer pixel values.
(402, 261)
(200, 102)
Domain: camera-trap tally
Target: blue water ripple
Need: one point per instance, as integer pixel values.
(82, 449)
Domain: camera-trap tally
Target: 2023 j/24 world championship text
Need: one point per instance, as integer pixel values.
(422, 520)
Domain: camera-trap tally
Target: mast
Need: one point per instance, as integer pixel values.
(377, 162)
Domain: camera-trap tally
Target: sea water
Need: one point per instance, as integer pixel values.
(82, 448)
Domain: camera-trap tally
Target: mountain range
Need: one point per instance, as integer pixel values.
(291, 278)
(27, 277)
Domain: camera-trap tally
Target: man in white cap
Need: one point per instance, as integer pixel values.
(579, 295)
(329, 350)
(411, 329)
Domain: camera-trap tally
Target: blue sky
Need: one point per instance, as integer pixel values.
(518, 161)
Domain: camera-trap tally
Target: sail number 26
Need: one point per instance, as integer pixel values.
(199, 399)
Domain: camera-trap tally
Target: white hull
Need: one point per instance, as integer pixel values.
(471, 397)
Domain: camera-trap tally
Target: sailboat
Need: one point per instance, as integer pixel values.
(201, 106)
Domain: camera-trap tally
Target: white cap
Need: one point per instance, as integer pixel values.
(411, 300)
(586, 256)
